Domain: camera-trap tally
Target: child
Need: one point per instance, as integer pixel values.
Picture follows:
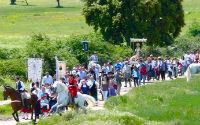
(45, 105)
(84, 86)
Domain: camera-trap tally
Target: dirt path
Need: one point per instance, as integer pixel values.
(5, 102)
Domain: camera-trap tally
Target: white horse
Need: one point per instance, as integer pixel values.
(93, 63)
(63, 98)
(192, 70)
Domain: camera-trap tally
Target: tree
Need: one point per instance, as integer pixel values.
(12, 2)
(160, 21)
(58, 1)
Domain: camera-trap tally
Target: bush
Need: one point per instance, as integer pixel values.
(194, 29)
(13, 67)
(106, 51)
(41, 46)
(11, 53)
(71, 50)
(183, 44)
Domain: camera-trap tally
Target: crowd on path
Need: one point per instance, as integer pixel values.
(108, 79)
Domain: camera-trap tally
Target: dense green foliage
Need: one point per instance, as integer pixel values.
(5, 111)
(71, 50)
(160, 21)
(190, 41)
(194, 29)
(13, 67)
(106, 51)
(41, 46)
(175, 101)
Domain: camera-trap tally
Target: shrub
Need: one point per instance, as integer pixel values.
(71, 50)
(106, 51)
(41, 46)
(194, 29)
(13, 67)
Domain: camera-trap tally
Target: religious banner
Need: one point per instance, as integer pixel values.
(34, 69)
(57, 69)
(85, 44)
(62, 68)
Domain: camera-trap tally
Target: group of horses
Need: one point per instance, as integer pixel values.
(62, 100)
(63, 96)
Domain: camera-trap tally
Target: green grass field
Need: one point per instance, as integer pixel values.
(6, 111)
(20, 21)
(173, 102)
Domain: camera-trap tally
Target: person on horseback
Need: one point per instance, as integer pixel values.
(73, 88)
(20, 87)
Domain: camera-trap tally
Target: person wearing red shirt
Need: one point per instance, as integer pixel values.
(73, 88)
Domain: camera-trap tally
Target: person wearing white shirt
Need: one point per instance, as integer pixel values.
(127, 73)
(187, 55)
(192, 56)
(183, 62)
(47, 79)
(20, 87)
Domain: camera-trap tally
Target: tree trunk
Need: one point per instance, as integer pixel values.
(58, 1)
(12, 2)
(26, 2)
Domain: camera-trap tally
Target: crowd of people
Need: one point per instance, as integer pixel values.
(107, 79)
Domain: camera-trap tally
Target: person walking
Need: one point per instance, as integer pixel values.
(143, 74)
(163, 69)
(104, 87)
(135, 74)
(93, 88)
(127, 74)
(118, 78)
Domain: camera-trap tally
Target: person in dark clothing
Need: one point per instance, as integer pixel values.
(93, 88)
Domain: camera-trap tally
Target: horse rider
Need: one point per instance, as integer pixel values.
(73, 88)
(94, 57)
(20, 87)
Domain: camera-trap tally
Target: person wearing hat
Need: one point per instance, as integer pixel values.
(94, 57)
(47, 79)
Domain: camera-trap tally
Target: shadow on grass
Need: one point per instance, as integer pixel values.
(62, 7)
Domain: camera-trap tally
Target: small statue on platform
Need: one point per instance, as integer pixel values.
(138, 50)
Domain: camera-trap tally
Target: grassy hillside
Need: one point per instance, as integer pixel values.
(173, 102)
(19, 21)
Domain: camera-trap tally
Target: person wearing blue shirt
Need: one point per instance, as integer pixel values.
(47, 79)
(118, 66)
(94, 57)
(82, 73)
(135, 74)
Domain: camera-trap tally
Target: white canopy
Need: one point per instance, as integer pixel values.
(138, 40)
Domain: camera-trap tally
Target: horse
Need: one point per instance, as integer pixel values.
(63, 98)
(16, 102)
(192, 70)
